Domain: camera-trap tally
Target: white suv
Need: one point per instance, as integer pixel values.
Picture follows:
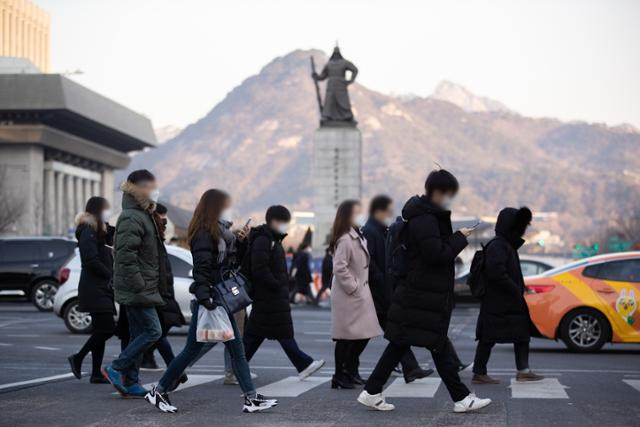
(65, 303)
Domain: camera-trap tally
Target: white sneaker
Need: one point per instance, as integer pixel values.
(375, 401)
(470, 403)
(311, 369)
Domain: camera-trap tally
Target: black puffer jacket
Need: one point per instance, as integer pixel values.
(95, 293)
(422, 303)
(504, 315)
(376, 233)
(207, 269)
(270, 312)
(171, 313)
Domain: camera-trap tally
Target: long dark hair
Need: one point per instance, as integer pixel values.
(342, 223)
(95, 205)
(207, 214)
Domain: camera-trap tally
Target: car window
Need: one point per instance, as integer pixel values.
(56, 249)
(627, 270)
(21, 251)
(529, 268)
(179, 268)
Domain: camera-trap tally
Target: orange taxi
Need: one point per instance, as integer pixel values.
(589, 302)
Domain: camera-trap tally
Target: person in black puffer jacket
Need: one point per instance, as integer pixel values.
(214, 248)
(271, 313)
(95, 293)
(504, 315)
(423, 300)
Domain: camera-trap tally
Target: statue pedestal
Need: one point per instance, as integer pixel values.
(337, 176)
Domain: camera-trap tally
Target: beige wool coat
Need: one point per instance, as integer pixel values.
(353, 315)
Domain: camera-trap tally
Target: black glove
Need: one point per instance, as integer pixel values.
(203, 296)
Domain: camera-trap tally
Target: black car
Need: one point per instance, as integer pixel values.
(32, 264)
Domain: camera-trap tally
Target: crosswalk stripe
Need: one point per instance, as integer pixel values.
(548, 388)
(423, 387)
(291, 386)
(633, 383)
(194, 380)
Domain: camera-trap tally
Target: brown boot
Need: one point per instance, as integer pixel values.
(528, 376)
(484, 379)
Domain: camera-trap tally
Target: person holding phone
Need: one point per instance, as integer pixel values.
(215, 249)
(423, 300)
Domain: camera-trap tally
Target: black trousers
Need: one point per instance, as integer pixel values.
(408, 361)
(483, 352)
(443, 360)
(298, 358)
(103, 329)
(347, 356)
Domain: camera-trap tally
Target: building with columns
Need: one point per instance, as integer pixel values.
(24, 32)
(59, 145)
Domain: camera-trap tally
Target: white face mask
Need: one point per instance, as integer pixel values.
(155, 196)
(226, 215)
(283, 228)
(446, 203)
(389, 220)
(106, 214)
(361, 220)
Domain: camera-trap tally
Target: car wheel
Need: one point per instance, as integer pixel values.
(42, 294)
(585, 330)
(76, 321)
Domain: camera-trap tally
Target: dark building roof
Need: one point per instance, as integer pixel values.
(59, 102)
(179, 216)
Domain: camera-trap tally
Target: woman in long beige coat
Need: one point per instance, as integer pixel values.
(353, 315)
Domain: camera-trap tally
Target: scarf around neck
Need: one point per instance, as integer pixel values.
(227, 241)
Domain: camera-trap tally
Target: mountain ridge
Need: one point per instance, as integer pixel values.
(256, 143)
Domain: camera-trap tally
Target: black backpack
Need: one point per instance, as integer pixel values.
(476, 279)
(396, 253)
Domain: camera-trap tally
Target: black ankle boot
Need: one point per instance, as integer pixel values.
(342, 381)
(76, 365)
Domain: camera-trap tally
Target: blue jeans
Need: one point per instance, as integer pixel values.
(193, 349)
(144, 332)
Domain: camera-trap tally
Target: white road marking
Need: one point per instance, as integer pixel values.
(47, 348)
(4, 344)
(548, 388)
(22, 336)
(424, 387)
(291, 386)
(633, 383)
(35, 381)
(194, 380)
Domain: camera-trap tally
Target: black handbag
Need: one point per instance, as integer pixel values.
(232, 292)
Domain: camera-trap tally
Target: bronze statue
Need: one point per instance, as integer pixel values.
(336, 110)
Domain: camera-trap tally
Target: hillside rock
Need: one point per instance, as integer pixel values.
(256, 144)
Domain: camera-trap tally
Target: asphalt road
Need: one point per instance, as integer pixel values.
(581, 390)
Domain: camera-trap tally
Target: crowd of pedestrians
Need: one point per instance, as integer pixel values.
(387, 275)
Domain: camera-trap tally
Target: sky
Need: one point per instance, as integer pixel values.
(174, 60)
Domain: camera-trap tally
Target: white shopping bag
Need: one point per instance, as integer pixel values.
(213, 325)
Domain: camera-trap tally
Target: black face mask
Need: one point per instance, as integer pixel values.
(164, 221)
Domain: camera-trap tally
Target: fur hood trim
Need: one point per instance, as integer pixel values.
(87, 219)
(134, 191)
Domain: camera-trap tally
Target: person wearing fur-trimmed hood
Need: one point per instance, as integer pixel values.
(504, 315)
(95, 294)
(136, 281)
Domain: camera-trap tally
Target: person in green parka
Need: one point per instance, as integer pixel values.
(136, 279)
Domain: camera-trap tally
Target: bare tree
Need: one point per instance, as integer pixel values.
(11, 206)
